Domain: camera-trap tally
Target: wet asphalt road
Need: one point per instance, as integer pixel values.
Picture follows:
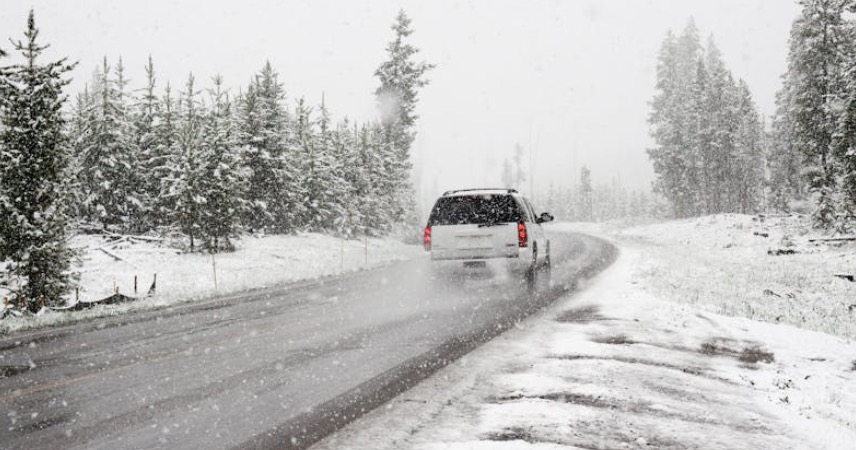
(275, 368)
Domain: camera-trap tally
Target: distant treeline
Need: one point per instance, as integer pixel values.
(590, 202)
(209, 165)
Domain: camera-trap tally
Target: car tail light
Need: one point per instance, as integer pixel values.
(426, 238)
(522, 235)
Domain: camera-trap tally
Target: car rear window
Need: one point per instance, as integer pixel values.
(468, 209)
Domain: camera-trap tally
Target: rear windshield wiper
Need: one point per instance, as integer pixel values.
(490, 224)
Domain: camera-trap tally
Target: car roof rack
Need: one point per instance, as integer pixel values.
(510, 191)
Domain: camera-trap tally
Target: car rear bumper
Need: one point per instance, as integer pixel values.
(472, 258)
(497, 265)
(472, 255)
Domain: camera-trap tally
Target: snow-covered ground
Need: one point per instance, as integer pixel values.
(740, 265)
(639, 358)
(258, 262)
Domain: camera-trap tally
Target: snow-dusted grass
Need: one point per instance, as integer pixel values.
(258, 262)
(723, 264)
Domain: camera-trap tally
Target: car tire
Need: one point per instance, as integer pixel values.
(531, 274)
(546, 272)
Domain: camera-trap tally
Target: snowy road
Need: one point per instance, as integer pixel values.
(273, 368)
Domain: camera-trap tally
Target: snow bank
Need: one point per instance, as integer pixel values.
(258, 262)
(764, 268)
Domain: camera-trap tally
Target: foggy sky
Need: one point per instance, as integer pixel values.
(568, 80)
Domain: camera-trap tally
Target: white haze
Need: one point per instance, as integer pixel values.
(568, 80)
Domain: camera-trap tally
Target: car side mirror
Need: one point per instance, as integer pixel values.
(545, 217)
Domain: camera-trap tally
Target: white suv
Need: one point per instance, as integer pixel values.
(477, 225)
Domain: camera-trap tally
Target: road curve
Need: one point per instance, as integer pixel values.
(274, 368)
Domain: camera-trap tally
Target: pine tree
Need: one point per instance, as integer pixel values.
(393, 187)
(309, 157)
(700, 156)
(34, 158)
(375, 211)
(673, 119)
(845, 138)
(507, 174)
(5, 92)
(784, 161)
(519, 174)
(749, 163)
(571, 207)
(551, 202)
(691, 161)
(346, 154)
(221, 181)
(846, 155)
(400, 78)
(146, 117)
(718, 159)
(162, 167)
(78, 134)
(187, 183)
(320, 171)
(272, 190)
(586, 199)
(5, 88)
(816, 91)
(129, 184)
(107, 163)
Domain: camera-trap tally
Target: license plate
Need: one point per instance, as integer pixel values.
(475, 264)
(473, 242)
